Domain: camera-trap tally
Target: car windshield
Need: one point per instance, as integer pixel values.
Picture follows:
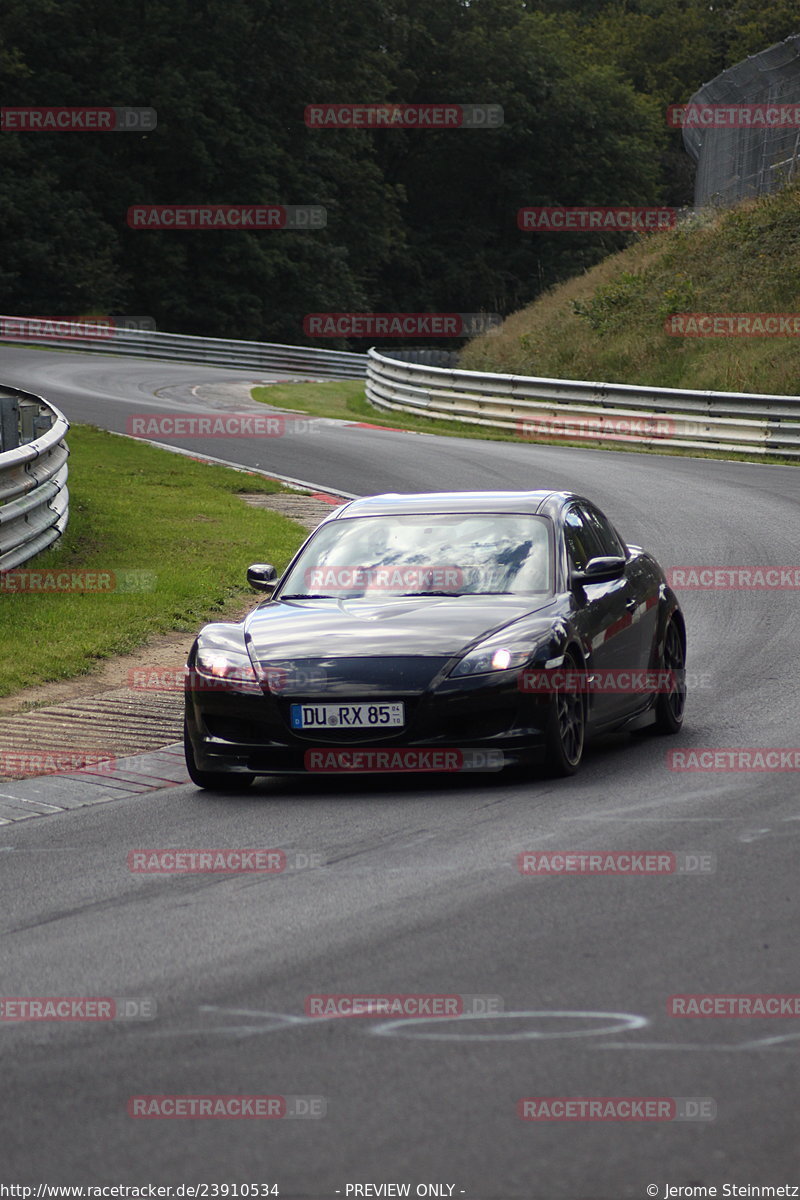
(432, 554)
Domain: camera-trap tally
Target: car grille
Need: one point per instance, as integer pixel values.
(350, 678)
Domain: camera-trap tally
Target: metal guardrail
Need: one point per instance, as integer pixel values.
(541, 410)
(537, 409)
(34, 499)
(216, 352)
(425, 355)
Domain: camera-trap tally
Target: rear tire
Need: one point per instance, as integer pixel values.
(566, 727)
(213, 781)
(670, 705)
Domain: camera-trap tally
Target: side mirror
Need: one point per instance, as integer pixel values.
(601, 570)
(263, 577)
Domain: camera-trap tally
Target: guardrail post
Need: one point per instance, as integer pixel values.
(27, 417)
(9, 423)
(42, 423)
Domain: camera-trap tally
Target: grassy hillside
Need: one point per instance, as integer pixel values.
(608, 324)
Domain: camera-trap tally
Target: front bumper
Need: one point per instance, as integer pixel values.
(487, 720)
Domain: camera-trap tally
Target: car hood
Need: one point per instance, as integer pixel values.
(429, 626)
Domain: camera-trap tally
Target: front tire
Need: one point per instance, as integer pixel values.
(670, 705)
(213, 781)
(566, 726)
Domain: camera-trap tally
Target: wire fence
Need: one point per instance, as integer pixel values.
(735, 162)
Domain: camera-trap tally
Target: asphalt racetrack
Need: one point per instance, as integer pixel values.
(418, 891)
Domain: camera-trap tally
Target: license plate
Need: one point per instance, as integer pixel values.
(347, 716)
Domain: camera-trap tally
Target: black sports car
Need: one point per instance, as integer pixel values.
(452, 631)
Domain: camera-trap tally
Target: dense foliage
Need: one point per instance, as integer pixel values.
(417, 221)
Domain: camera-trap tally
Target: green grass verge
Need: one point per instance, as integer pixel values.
(343, 398)
(135, 508)
(346, 400)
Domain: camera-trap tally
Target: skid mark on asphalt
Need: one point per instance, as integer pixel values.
(274, 1021)
(623, 816)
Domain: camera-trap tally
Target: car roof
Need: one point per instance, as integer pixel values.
(396, 503)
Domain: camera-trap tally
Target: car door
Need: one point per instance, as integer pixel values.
(643, 584)
(607, 610)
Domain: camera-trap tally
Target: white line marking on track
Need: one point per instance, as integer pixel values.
(621, 1022)
(759, 1044)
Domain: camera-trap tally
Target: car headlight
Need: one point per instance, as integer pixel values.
(482, 660)
(222, 670)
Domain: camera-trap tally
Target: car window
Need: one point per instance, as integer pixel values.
(582, 540)
(603, 531)
(451, 553)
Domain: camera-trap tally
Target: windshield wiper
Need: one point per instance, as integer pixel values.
(306, 596)
(432, 593)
